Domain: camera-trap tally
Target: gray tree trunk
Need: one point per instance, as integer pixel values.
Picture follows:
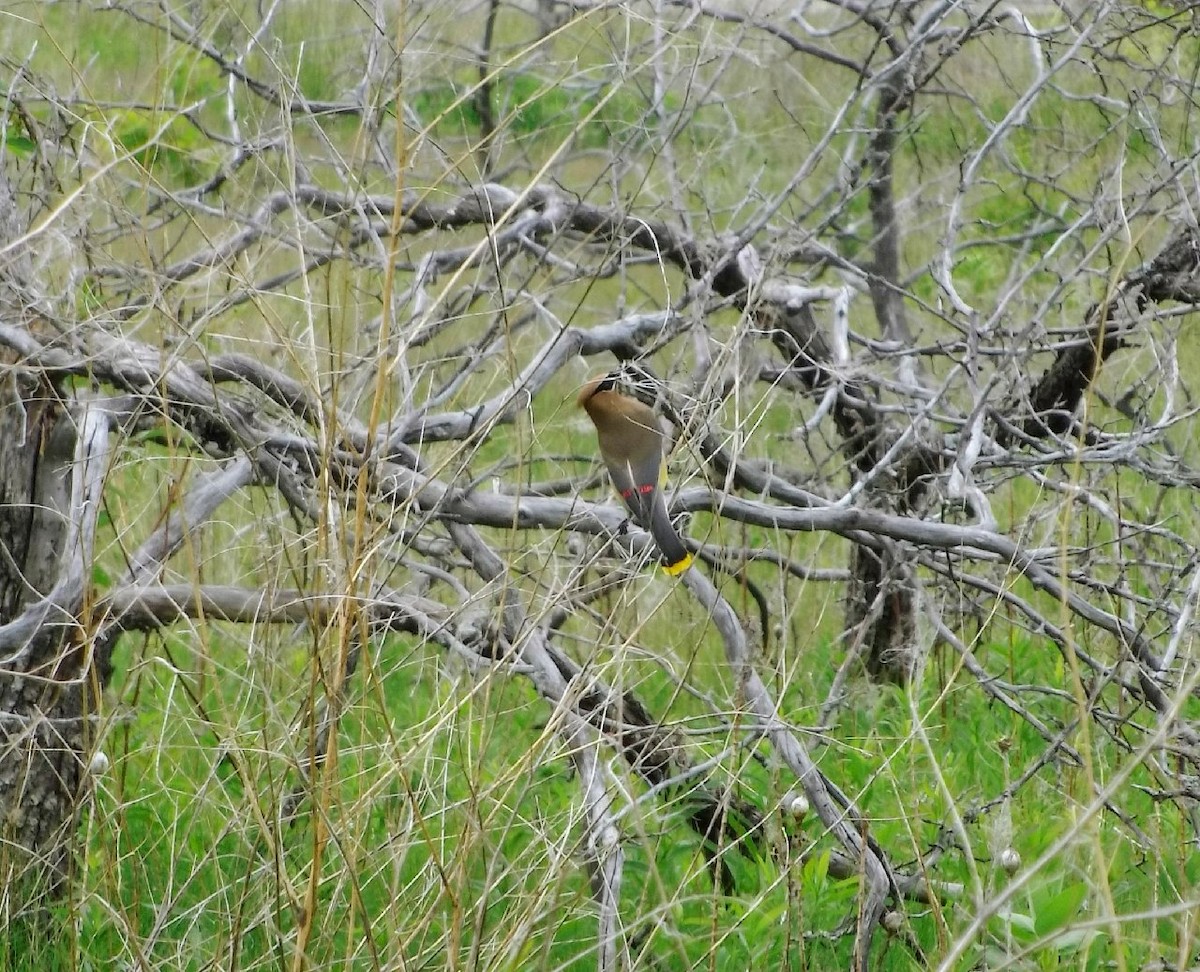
(43, 691)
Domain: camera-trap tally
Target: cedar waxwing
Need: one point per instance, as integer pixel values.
(631, 445)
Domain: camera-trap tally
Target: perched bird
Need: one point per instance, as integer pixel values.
(631, 445)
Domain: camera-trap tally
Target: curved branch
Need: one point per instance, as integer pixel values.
(842, 819)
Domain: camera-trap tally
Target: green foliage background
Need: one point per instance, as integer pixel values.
(452, 822)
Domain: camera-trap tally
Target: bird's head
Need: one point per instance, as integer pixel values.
(597, 386)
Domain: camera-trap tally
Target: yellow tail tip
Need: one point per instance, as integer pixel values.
(679, 566)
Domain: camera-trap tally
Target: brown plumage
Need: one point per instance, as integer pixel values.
(631, 445)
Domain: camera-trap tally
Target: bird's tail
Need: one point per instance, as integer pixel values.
(675, 556)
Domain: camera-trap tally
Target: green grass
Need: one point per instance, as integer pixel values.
(448, 830)
(538, 110)
(441, 802)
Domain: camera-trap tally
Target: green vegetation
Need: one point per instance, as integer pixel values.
(527, 106)
(441, 803)
(444, 830)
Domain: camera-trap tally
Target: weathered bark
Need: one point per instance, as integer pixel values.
(1170, 276)
(43, 661)
(45, 690)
